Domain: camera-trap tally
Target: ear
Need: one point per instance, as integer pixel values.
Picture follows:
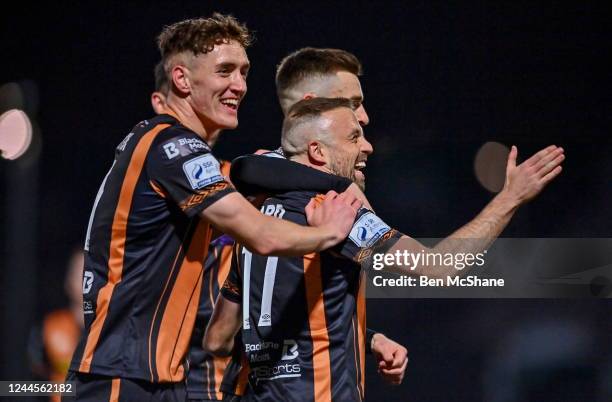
(317, 153)
(180, 79)
(158, 102)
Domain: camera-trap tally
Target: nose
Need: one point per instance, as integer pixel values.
(362, 116)
(238, 84)
(366, 146)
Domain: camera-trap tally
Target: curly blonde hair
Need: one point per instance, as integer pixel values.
(200, 35)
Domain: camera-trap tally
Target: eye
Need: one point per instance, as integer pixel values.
(356, 103)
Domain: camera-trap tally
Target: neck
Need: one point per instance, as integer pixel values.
(305, 160)
(183, 112)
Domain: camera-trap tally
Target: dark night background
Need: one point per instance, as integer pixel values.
(440, 80)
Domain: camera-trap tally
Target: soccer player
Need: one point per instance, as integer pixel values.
(206, 372)
(303, 318)
(298, 352)
(209, 377)
(150, 226)
(310, 72)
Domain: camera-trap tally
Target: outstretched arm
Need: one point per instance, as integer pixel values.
(523, 183)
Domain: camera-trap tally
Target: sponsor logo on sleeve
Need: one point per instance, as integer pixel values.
(202, 171)
(170, 150)
(183, 147)
(368, 229)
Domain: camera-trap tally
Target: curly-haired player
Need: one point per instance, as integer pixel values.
(150, 227)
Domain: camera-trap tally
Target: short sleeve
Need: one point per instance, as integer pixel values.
(232, 287)
(182, 168)
(368, 232)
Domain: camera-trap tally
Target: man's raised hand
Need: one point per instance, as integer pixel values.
(525, 181)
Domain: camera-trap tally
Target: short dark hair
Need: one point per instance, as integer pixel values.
(200, 35)
(310, 61)
(161, 79)
(305, 111)
(314, 107)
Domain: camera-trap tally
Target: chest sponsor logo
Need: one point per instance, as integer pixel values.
(283, 368)
(290, 349)
(367, 230)
(88, 307)
(202, 171)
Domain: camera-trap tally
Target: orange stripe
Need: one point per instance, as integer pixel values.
(321, 362)
(115, 386)
(117, 243)
(243, 376)
(355, 347)
(159, 303)
(181, 309)
(219, 365)
(361, 329)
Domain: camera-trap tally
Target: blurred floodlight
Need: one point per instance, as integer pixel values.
(15, 133)
(490, 165)
(11, 97)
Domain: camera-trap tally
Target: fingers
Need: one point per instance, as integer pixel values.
(400, 357)
(351, 199)
(539, 155)
(554, 173)
(393, 371)
(550, 161)
(512, 158)
(347, 197)
(396, 370)
(331, 194)
(387, 356)
(310, 207)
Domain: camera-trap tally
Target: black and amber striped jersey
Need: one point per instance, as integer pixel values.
(208, 373)
(145, 248)
(303, 318)
(210, 377)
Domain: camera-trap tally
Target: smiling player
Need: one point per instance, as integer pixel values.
(150, 226)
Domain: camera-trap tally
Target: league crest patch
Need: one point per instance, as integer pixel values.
(368, 229)
(202, 171)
